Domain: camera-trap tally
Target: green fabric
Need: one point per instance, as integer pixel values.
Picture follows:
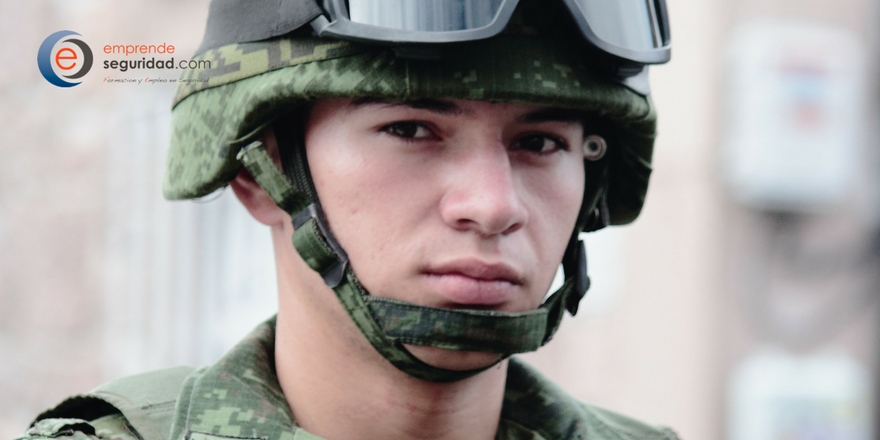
(471, 330)
(145, 402)
(145, 409)
(453, 329)
(312, 247)
(239, 398)
(255, 158)
(250, 84)
(148, 409)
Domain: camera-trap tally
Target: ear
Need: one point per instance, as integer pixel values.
(253, 197)
(256, 201)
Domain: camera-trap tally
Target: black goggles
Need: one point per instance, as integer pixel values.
(633, 30)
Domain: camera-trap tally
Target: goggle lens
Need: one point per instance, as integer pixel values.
(424, 15)
(635, 30)
(631, 24)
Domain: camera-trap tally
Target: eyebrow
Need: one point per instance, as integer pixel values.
(434, 105)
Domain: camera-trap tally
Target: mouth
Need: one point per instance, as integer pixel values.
(473, 283)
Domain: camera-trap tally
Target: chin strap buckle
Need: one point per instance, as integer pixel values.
(581, 280)
(600, 217)
(312, 238)
(311, 235)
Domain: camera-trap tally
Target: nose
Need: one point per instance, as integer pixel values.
(482, 195)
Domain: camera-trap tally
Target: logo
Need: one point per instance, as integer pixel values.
(66, 61)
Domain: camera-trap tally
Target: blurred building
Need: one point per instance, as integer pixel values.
(724, 312)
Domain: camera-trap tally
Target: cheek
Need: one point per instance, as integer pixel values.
(371, 204)
(341, 178)
(556, 203)
(557, 199)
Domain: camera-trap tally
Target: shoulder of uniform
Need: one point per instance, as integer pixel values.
(130, 408)
(617, 426)
(159, 387)
(109, 427)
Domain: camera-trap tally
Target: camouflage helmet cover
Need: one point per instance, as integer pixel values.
(221, 108)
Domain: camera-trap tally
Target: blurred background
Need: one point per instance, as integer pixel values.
(742, 304)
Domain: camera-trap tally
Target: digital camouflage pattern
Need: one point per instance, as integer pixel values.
(239, 398)
(454, 330)
(276, 185)
(219, 110)
(131, 408)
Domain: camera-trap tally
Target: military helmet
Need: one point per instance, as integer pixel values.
(271, 61)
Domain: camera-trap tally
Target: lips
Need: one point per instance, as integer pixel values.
(472, 282)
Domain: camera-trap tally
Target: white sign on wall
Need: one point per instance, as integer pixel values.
(779, 396)
(795, 121)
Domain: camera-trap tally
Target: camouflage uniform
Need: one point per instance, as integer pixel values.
(239, 398)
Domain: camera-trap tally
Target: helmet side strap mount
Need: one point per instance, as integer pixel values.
(334, 272)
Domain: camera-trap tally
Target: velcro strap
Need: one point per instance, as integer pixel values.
(574, 264)
(309, 241)
(555, 306)
(255, 158)
(469, 330)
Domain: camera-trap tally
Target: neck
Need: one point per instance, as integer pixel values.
(339, 387)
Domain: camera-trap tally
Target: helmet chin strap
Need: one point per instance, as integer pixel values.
(389, 324)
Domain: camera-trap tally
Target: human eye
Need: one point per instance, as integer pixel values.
(540, 143)
(408, 130)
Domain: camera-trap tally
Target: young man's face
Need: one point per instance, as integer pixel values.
(449, 203)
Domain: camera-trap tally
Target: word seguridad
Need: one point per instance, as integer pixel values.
(153, 63)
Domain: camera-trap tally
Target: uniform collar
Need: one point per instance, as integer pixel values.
(239, 397)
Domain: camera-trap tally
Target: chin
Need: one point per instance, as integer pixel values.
(453, 359)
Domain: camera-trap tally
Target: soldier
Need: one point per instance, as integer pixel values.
(424, 168)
